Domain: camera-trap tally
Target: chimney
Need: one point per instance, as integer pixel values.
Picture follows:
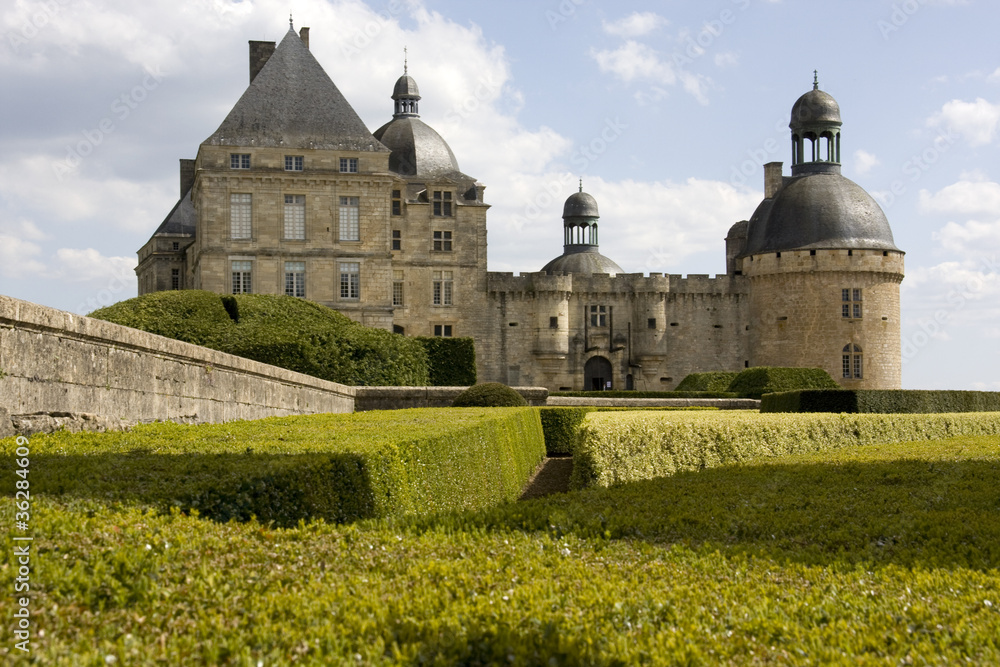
(304, 36)
(259, 53)
(772, 179)
(187, 176)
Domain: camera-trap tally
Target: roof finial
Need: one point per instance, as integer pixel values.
(815, 79)
(581, 185)
(406, 65)
(290, 26)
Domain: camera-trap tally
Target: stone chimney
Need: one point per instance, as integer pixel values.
(772, 179)
(259, 53)
(187, 176)
(304, 36)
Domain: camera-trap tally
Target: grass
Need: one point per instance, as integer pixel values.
(878, 555)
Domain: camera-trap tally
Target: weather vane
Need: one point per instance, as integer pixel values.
(406, 65)
(815, 79)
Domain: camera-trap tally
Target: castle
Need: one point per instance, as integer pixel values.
(292, 194)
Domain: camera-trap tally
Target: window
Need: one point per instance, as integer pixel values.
(295, 217)
(397, 239)
(442, 203)
(598, 316)
(442, 330)
(295, 279)
(397, 202)
(349, 225)
(175, 278)
(442, 241)
(396, 329)
(176, 246)
(350, 280)
(851, 303)
(293, 163)
(553, 322)
(239, 160)
(397, 288)
(349, 165)
(852, 362)
(242, 271)
(240, 210)
(443, 288)
(651, 323)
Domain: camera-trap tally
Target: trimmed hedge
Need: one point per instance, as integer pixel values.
(489, 395)
(887, 401)
(645, 394)
(626, 447)
(711, 381)
(283, 331)
(561, 427)
(451, 361)
(334, 467)
(759, 380)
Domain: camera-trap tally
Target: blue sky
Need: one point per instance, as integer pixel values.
(666, 110)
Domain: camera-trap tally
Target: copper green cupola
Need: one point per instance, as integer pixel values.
(815, 126)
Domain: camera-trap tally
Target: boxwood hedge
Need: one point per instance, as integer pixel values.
(645, 394)
(711, 381)
(282, 331)
(451, 361)
(759, 380)
(889, 401)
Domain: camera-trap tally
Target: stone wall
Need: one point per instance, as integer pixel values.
(58, 369)
(399, 398)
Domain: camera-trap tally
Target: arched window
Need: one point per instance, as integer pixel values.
(852, 362)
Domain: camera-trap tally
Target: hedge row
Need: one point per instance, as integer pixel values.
(711, 381)
(886, 401)
(645, 394)
(759, 380)
(334, 467)
(562, 425)
(451, 361)
(626, 447)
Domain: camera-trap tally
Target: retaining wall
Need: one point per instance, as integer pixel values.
(396, 398)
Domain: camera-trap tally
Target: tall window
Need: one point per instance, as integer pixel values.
(397, 202)
(295, 216)
(175, 278)
(442, 241)
(598, 316)
(240, 210)
(242, 270)
(852, 362)
(442, 330)
(349, 165)
(350, 280)
(239, 160)
(397, 288)
(350, 229)
(295, 279)
(444, 287)
(293, 163)
(442, 203)
(850, 305)
(397, 239)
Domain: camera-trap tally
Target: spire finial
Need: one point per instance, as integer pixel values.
(406, 64)
(581, 185)
(290, 26)
(815, 79)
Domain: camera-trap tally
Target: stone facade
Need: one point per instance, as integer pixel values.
(416, 263)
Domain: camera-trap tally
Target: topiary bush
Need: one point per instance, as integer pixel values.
(489, 395)
(760, 380)
(711, 381)
(451, 361)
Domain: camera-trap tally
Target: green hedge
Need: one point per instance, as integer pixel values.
(645, 394)
(712, 381)
(451, 361)
(561, 427)
(625, 447)
(887, 401)
(283, 331)
(333, 467)
(759, 380)
(489, 395)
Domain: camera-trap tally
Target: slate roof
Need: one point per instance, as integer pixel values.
(418, 150)
(182, 218)
(293, 103)
(582, 259)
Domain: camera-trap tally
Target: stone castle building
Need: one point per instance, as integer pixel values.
(292, 194)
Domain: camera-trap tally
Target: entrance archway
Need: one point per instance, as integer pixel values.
(597, 374)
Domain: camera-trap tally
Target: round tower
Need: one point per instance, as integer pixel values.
(823, 269)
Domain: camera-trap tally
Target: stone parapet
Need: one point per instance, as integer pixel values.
(720, 403)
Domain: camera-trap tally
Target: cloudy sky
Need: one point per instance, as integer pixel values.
(665, 109)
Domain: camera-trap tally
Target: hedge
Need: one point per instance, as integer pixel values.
(644, 394)
(561, 426)
(759, 380)
(625, 447)
(489, 395)
(889, 401)
(451, 361)
(283, 331)
(711, 381)
(334, 467)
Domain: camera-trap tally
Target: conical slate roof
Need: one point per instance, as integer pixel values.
(293, 103)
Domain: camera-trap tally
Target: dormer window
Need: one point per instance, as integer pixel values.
(348, 165)
(293, 162)
(442, 203)
(239, 160)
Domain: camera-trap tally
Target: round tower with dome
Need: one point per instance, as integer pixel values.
(581, 253)
(823, 269)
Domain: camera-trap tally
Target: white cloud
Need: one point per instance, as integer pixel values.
(727, 59)
(971, 196)
(18, 257)
(634, 61)
(864, 161)
(89, 265)
(975, 121)
(636, 24)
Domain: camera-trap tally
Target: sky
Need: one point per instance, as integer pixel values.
(666, 110)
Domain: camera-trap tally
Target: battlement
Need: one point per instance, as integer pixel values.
(603, 283)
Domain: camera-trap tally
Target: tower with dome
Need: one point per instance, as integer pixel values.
(293, 195)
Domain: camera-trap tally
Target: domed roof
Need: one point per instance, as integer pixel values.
(417, 150)
(815, 106)
(580, 205)
(406, 86)
(738, 230)
(583, 261)
(818, 210)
